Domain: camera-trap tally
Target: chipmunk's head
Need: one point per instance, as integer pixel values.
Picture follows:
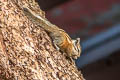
(77, 48)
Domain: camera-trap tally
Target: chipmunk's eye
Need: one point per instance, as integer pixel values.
(77, 41)
(78, 45)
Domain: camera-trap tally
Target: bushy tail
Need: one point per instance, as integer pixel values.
(36, 18)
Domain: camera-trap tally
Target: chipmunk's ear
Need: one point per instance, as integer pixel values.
(76, 41)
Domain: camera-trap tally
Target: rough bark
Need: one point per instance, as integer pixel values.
(26, 51)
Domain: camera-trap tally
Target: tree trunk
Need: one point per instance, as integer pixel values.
(26, 51)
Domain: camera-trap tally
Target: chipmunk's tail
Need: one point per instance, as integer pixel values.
(36, 18)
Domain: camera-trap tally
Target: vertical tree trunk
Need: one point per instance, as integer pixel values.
(26, 51)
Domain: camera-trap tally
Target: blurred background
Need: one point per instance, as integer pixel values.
(97, 23)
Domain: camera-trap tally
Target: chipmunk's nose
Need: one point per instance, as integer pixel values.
(75, 57)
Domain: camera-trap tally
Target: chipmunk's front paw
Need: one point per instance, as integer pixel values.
(56, 46)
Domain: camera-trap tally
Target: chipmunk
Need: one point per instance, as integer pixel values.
(60, 38)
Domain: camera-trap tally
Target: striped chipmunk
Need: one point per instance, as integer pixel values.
(61, 39)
